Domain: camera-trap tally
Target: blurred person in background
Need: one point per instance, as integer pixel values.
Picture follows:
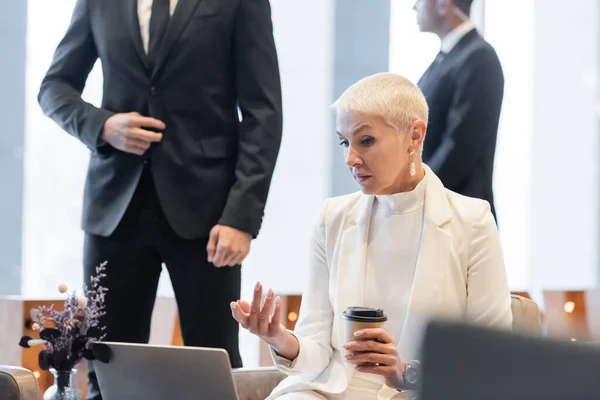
(464, 87)
(175, 176)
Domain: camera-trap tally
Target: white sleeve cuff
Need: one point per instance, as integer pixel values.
(283, 364)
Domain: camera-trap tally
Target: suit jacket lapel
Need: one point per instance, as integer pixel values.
(432, 73)
(352, 260)
(181, 16)
(434, 252)
(131, 14)
(435, 248)
(466, 39)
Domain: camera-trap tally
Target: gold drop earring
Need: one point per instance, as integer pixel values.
(413, 167)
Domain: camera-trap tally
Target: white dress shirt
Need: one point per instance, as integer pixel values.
(144, 11)
(453, 37)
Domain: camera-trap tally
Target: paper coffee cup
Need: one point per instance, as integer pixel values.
(357, 318)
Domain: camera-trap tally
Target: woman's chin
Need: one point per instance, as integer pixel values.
(367, 189)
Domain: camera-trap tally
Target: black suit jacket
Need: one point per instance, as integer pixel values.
(216, 56)
(464, 92)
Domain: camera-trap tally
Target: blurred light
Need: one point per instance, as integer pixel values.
(36, 374)
(292, 316)
(569, 307)
(573, 339)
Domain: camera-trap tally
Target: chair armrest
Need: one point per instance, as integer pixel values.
(17, 384)
(526, 316)
(256, 384)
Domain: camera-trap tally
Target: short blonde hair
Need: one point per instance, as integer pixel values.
(389, 96)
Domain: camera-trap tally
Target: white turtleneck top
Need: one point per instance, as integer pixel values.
(394, 234)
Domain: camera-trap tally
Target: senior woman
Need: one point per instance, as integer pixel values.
(403, 243)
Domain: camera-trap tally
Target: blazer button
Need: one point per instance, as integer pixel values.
(153, 91)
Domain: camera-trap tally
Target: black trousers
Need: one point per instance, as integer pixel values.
(135, 252)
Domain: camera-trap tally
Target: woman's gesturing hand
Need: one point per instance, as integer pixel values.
(260, 321)
(375, 352)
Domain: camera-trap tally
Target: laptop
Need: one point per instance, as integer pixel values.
(474, 363)
(149, 372)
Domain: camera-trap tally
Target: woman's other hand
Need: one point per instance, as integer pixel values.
(376, 353)
(264, 324)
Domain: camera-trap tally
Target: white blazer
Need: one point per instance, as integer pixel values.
(460, 274)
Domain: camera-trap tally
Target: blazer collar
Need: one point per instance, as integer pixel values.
(449, 41)
(181, 16)
(464, 41)
(132, 21)
(437, 209)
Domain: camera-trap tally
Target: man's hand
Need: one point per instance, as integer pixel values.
(126, 132)
(227, 246)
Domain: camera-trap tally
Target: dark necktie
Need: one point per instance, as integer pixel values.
(159, 20)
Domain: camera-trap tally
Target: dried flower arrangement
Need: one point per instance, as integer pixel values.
(75, 328)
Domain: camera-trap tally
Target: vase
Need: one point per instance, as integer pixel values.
(63, 386)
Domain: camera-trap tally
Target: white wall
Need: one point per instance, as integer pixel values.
(411, 51)
(301, 181)
(55, 165)
(512, 173)
(279, 256)
(564, 203)
(546, 179)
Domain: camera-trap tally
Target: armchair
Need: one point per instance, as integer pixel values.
(256, 384)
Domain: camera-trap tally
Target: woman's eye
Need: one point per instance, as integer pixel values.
(368, 141)
(344, 143)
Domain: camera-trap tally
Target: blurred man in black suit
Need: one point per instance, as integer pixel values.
(464, 87)
(174, 175)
